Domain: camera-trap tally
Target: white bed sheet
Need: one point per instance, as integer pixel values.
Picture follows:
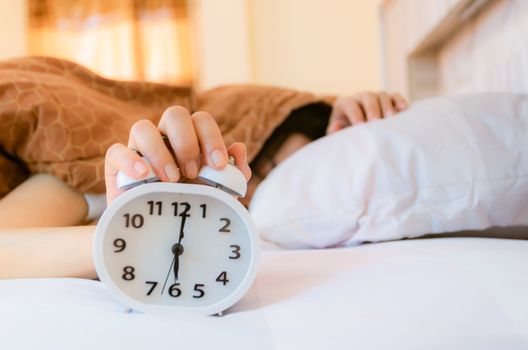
(442, 293)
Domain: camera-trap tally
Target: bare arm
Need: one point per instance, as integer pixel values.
(42, 201)
(36, 237)
(47, 252)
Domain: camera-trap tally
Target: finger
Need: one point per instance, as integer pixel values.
(371, 106)
(120, 158)
(399, 102)
(146, 138)
(335, 125)
(178, 126)
(387, 109)
(345, 112)
(353, 111)
(239, 151)
(210, 139)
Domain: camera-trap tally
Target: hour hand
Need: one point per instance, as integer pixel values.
(176, 267)
(177, 250)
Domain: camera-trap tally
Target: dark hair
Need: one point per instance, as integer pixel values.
(310, 120)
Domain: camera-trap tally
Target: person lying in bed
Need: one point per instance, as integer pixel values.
(197, 137)
(43, 241)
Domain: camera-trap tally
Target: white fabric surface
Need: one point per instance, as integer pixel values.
(444, 165)
(443, 293)
(96, 206)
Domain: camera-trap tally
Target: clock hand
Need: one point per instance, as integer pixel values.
(182, 226)
(168, 274)
(177, 250)
(176, 266)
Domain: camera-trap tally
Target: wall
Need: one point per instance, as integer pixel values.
(326, 46)
(13, 28)
(221, 43)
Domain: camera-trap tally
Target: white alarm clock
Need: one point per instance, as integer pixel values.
(178, 247)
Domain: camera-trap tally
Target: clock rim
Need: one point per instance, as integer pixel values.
(220, 306)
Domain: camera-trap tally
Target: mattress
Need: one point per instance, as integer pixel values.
(441, 293)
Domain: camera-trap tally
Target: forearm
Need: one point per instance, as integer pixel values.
(47, 252)
(42, 201)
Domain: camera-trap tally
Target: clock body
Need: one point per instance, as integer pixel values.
(176, 247)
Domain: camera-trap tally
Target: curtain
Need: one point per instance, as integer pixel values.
(122, 39)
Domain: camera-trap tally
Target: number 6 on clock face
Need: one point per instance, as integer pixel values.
(167, 247)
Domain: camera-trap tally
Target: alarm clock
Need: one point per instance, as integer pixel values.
(178, 247)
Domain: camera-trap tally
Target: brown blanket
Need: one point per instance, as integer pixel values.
(58, 117)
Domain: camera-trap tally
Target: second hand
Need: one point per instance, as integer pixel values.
(168, 274)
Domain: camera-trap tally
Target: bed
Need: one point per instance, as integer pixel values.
(436, 293)
(455, 293)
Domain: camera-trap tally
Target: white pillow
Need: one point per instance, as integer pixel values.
(444, 165)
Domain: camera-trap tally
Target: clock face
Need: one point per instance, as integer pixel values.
(183, 248)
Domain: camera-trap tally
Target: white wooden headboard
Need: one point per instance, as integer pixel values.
(433, 47)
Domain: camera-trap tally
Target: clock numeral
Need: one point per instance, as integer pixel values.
(204, 208)
(135, 220)
(152, 204)
(222, 277)
(153, 286)
(235, 251)
(198, 288)
(186, 208)
(225, 228)
(174, 291)
(128, 273)
(120, 244)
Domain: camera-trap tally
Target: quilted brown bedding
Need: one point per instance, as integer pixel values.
(58, 117)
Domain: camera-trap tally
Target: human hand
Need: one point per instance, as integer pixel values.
(363, 107)
(194, 140)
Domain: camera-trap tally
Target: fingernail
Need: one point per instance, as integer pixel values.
(172, 172)
(140, 167)
(219, 158)
(191, 169)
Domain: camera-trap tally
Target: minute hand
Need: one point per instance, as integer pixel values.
(182, 226)
(178, 249)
